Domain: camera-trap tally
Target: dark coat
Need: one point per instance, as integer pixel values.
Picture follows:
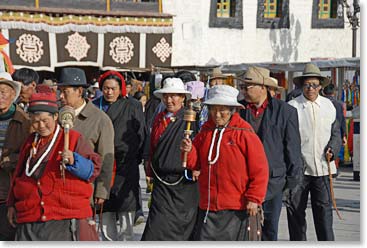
(279, 133)
(128, 122)
(173, 210)
(339, 115)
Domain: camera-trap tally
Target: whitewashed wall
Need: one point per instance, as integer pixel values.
(194, 43)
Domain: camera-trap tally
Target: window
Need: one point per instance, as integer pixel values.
(325, 14)
(226, 14)
(272, 9)
(273, 14)
(328, 9)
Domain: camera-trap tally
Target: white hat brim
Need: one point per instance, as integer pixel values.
(216, 101)
(159, 93)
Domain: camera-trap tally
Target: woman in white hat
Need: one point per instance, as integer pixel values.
(175, 195)
(233, 169)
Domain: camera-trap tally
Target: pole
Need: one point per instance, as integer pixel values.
(354, 41)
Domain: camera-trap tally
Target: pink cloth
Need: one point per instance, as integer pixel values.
(196, 88)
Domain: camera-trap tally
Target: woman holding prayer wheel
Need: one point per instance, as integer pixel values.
(49, 202)
(233, 170)
(175, 197)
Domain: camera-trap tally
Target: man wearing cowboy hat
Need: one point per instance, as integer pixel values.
(320, 142)
(94, 124)
(14, 129)
(276, 124)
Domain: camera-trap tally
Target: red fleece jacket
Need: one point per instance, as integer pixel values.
(241, 172)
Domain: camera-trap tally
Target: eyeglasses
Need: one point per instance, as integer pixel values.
(309, 86)
(246, 86)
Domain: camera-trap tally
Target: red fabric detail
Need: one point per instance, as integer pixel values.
(60, 201)
(350, 137)
(108, 73)
(257, 111)
(241, 173)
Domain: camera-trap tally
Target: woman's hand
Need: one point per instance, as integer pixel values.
(186, 145)
(195, 175)
(251, 208)
(12, 217)
(67, 156)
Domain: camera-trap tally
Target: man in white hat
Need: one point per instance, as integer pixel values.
(175, 196)
(276, 124)
(14, 129)
(320, 141)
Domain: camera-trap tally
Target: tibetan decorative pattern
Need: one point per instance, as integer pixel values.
(77, 46)
(158, 49)
(85, 23)
(162, 49)
(29, 48)
(122, 49)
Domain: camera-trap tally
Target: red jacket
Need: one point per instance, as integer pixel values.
(241, 172)
(48, 198)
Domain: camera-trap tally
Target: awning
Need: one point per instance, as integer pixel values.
(43, 41)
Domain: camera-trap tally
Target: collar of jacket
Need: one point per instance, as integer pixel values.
(19, 115)
(87, 110)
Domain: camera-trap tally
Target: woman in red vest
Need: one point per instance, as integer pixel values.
(44, 204)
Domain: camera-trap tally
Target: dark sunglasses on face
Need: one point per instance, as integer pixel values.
(309, 86)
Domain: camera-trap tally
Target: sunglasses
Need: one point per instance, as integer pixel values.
(309, 86)
(246, 86)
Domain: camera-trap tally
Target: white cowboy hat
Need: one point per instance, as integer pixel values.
(5, 78)
(223, 95)
(172, 85)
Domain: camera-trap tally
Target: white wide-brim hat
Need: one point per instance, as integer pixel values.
(5, 78)
(172, 85)
(223, 95)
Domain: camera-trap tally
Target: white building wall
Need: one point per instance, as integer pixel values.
(194, 43)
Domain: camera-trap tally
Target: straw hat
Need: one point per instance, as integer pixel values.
(172, 85)
(258, 75)
(275, 84)
(311, 70)
(223, 95)
(217, 74)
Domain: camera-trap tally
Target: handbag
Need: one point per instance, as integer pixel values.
(88, 230)
(253, 230)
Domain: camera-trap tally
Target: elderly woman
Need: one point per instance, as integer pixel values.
(46, 203)
(174, 204)
(233, 169)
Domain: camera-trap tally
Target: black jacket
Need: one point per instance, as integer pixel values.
(279, 133)
(129, 125)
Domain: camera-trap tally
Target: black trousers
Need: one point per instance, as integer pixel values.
(321, 203)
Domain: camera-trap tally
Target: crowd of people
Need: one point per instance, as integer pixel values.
(217, 168)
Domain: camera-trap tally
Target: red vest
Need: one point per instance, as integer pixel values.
(48, 198)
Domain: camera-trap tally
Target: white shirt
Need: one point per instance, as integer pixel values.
(315, 124)
(78, 110)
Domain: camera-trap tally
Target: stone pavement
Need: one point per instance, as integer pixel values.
(347, 194)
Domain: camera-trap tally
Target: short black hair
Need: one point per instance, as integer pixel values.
(26, 76)
(185, 76)
(329, 89)
(138, 95)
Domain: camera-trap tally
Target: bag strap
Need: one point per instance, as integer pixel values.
(100, 216)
